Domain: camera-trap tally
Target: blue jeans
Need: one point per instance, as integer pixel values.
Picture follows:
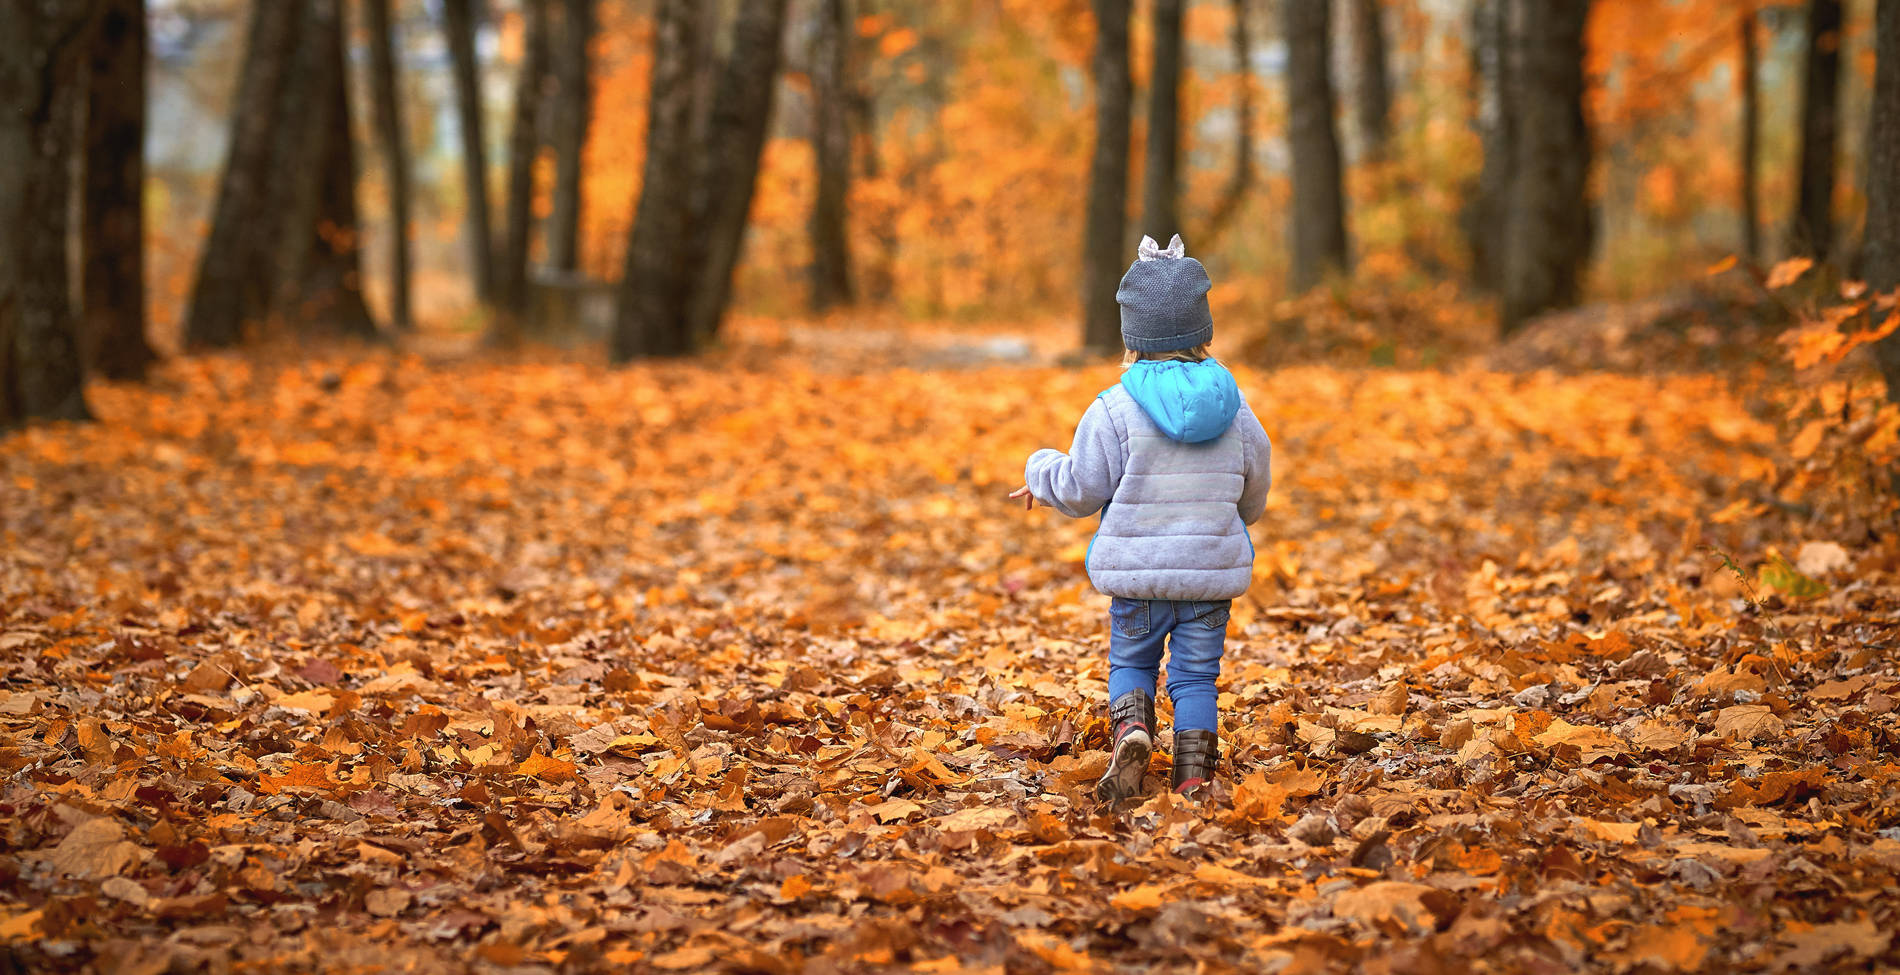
(1137, 629)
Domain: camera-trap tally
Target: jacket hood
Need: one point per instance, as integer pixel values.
(1190, 401)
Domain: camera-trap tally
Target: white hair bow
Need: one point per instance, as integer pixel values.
(1149, 250)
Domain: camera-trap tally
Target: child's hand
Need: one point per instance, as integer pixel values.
(1029, 500)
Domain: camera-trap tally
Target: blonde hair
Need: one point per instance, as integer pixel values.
(1198, 353)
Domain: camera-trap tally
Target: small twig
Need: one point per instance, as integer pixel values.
(1748, 593)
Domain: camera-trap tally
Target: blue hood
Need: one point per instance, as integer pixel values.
(1190, 401)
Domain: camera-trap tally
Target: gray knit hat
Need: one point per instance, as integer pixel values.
(1164, 299)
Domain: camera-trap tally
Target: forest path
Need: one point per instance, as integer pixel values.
(742, 661)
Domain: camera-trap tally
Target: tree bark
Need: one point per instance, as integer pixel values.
(1240, 180)
(524, 143)
(1160, 183)
(735, 135)
(1107, 220)
(1372, 96)
(1883, 187)
(1319, 209)
(831, 148)
(1548, 230)
(382, 74)
(655, 283)
(573, 114)
(112, 232)
(458, 22)
(232, 285)
(41, 53)
(323, 277)
(1751, 139)
(1483, 217)
(1812, 232)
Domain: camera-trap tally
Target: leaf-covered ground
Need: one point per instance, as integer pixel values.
(369, 664)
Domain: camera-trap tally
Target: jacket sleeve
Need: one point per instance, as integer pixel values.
(1257, 451)
(1081, 481)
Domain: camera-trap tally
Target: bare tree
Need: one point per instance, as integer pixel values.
(1160, 179)
(1749, 149)
(458, 23)
(1883, 190)
(524, 143)
(382, 73)
(1372, 96)
(1240, 179)
(1319, 206)
(231, 287)
(112, 232)
(1812, 229)
(655, 281)
(831, 147)
(1103, 255)
(41, 52)
(1483, 216)
(1547, 222)
(573, 114)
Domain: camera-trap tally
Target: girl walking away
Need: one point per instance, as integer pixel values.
(1179, 467)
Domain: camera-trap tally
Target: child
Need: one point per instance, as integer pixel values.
(1178, 466)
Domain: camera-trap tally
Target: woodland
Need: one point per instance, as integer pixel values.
(523, 485)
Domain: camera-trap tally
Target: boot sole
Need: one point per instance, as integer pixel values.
(1126, 767)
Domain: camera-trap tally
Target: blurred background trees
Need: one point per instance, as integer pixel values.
(633, 171)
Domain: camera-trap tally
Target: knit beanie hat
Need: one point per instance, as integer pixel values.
(1164, 299)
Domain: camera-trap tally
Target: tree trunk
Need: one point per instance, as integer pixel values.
(232, 287)
(382, 74)
(1812, 232)
(735, 135)
(458, 22)
(323, 283)
(831, 147)
(1107, 221)
(1483, 217)
(1241, 179)
(1319, 210)
(112, 233)
(1372, 101)
(41, 53)
(655, 283)
(524, 143)
(1160, 182)
(1883, 188)
(1751, 139)
(1547, 234)
(573, 112)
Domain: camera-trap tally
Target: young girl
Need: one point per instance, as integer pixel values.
(1178, 466)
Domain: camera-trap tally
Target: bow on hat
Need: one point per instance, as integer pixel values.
(1150, 251)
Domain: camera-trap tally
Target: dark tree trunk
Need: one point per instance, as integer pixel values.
(1548, 231)
(323, 283)
(382, 74)
(524, 144)
(42, 51)
(1241, 179)
(1372, 96)
(1883, 186)
(1751, 140)
(1103, 254)
(458, 23)
(1319, 209)
(831, 147)
(112, 233)
(1482, 219)
(1812, 232)
(735, 135)
(1160, 181)
(655, 283)
(573, 112)
(232, 286)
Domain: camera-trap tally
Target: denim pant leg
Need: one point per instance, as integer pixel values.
(1194, 652)
(1135, 637)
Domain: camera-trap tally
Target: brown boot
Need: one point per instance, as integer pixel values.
(1196, 753)
(1131, 720)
